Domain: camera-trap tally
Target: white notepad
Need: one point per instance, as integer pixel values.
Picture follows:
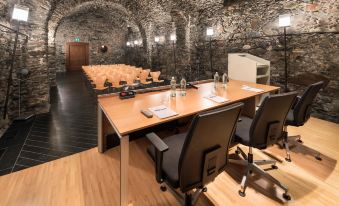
(163, 112)
(216, 99)
(251, 89)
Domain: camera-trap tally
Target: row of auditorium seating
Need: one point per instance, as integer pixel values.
(116, 76)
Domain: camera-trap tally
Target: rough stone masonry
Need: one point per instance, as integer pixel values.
(240, 26)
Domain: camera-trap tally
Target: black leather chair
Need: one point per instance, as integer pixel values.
(301, 112)
(191, 160)
(261, 132)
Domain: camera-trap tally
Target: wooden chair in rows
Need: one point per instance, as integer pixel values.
(144, 77)
(155, 77)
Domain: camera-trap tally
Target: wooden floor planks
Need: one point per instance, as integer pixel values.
(90, 178)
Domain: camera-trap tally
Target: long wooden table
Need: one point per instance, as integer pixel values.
(123, 116)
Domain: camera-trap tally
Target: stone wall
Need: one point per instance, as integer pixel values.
(31, 55)
(252, 26)
(241, 26)
(112, 34)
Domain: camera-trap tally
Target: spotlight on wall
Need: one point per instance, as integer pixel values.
(210, 31)
(285, 20)
(173, 37)
(157, 39)
(20, 13)
(128, 43)
(136, 42)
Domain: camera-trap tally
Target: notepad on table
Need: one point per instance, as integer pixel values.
(163, 112)
(216, 99)
(251, 89)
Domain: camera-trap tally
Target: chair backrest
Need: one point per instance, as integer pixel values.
(302, 109)
(205, 151)
(267, 125)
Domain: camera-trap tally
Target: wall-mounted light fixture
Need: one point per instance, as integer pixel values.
(136, 42)
(20, 13)
(156, 39)
(128, 43)
(173, 37)
(210, 33)
(285, 21)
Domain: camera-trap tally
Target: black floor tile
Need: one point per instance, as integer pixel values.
(19, 167)
(28, 162)
(37, 156)
(5, 171)
(45, 151)
(70, 127)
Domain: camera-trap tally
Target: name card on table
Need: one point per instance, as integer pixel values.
(163, 112)
(216, 99)
(251, 89)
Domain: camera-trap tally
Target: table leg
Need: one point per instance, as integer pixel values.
(101, 136)
(249, 107)
(124, 163)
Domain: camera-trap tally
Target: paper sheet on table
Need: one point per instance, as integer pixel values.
(216, 99)
(163, 112)
(251, 89)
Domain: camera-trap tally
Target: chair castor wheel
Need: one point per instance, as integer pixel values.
(163, 188)
(237, 152)
(250, 172)
(274, 167)
(288, 159)
(242, 194)
(300, 141)
(318, 158)
(204, 189)
(286, 196)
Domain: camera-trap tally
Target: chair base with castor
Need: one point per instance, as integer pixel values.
(301, 111)
(286, 146)
(254, 166)
(188, 198)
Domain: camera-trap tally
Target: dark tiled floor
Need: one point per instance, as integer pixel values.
(69, 128)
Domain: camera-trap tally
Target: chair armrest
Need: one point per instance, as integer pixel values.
(159, 145)
(160, 148)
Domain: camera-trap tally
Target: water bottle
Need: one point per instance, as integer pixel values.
(216, 80)
(173, 87)
(183, 87)
(224, 80)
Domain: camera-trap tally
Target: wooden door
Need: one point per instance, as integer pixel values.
(77, 55)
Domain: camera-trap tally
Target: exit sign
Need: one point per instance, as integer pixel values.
(77, 39)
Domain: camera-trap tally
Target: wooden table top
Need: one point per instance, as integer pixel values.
(126, 117)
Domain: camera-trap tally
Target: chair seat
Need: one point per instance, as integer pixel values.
(171, 158)
(242, 134)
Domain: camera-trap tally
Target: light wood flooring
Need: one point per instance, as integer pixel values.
(90, 178)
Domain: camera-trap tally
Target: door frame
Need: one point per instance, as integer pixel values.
(68, 45)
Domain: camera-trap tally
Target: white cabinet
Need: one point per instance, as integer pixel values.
(246, 67)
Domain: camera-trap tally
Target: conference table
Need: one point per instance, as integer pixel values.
(123, 117)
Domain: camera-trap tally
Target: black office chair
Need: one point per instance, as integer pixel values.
(191, 160)
(301, 112)
(261, 132)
